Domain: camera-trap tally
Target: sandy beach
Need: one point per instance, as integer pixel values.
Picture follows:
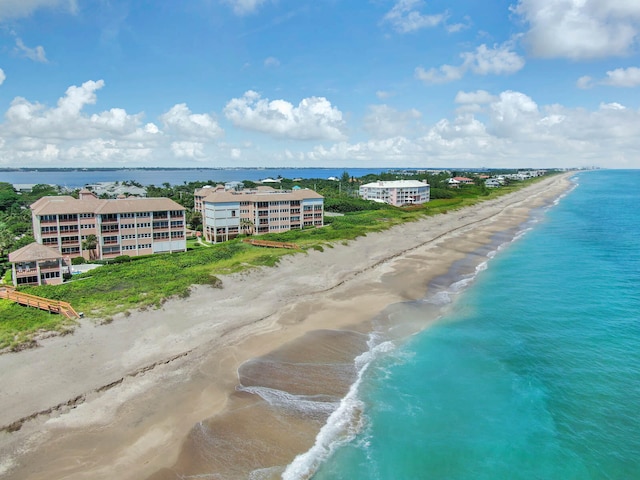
(154, 393)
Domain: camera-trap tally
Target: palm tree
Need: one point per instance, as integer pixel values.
(90, 243)
(246, 225)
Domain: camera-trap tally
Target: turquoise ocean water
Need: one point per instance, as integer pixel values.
(533, 372)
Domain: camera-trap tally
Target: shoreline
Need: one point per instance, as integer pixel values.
(167, 371)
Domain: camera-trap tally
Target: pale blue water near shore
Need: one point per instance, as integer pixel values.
(534, 371)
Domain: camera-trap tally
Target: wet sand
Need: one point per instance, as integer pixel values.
(154, 394)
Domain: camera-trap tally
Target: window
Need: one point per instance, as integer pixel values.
(49, 275)
(25, 280)
(68, 240)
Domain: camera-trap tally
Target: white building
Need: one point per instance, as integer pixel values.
(397, 193)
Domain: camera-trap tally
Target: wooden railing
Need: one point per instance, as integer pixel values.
(53, 306)
(271, 244)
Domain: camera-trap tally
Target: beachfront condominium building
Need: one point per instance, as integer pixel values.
(397, 192)
(228, 213)
(124, 226)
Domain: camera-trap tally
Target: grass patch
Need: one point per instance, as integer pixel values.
(20, 324)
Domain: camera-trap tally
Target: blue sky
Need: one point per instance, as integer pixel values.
(320, 83)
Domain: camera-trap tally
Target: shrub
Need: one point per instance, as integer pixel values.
(78, 261)
(121, 259)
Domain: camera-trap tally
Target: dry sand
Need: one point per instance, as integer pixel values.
(121, 400)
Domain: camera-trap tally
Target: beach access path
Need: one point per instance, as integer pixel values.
(130, 390)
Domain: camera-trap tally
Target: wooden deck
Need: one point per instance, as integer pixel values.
(52, 306)
(271, 244)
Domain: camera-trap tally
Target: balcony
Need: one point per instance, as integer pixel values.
(29, 270)
(48, 267)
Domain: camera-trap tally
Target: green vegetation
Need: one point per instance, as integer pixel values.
(128, 283)
(19, 324)
(15, 218)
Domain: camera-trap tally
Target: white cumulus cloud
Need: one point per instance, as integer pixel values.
(184, 149)
(620, 77)
(497, 60)
(442, 74)
(479, 96)
(580, 29)
(180, 120)
(3, 77)
(382, 121)
(511, 131)
(63, 121)
(623, 77)
(33, 133)
(405, 17)
(313, 119)
(584, 82)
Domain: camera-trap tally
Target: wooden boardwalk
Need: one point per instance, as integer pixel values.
(52, 306)
(271, 244)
